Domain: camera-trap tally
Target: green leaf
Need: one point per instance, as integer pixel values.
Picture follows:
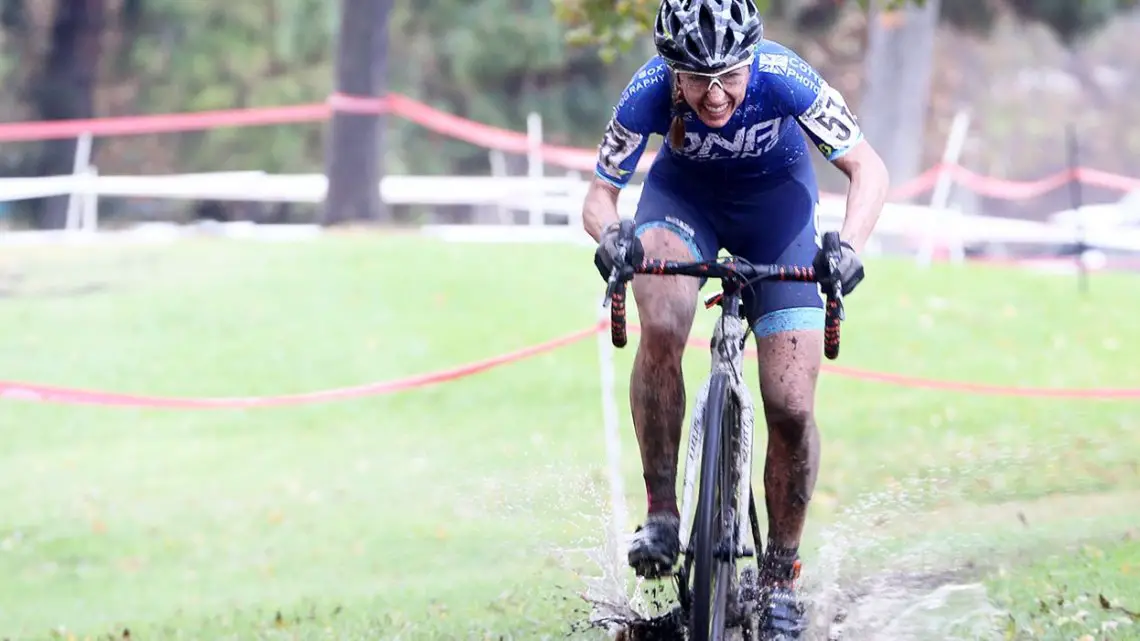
(614, 26)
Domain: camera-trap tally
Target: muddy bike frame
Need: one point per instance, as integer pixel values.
(734, 414)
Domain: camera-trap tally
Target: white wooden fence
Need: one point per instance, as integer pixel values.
(558, 195)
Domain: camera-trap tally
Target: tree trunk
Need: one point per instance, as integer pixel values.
(66, 90)
(353, 161)
(896, 95)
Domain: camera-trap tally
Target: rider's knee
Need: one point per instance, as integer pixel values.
(666, 321)
(789, 419)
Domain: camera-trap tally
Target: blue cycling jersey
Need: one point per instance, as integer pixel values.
(784, 95)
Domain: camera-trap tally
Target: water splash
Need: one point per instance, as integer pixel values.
(884, 568)
(903, 607)
(864, 582)
(611, 600)
(868, 584)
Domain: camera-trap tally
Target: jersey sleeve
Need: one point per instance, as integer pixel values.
(819, 108)
(642, 111)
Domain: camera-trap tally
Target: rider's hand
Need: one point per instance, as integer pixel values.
(619, 245)
(848, 265)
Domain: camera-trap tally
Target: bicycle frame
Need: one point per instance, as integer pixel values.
(727, 347)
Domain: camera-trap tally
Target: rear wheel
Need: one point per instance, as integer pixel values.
(714, 524)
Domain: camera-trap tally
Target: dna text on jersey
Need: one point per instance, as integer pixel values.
(748, 142)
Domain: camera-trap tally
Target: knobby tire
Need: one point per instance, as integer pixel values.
(712, 573)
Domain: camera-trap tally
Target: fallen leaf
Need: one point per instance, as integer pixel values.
(1104, 602)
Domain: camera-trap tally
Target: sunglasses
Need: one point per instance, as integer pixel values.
(729, 79)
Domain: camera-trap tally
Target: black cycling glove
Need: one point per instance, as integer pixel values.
(848, 265)
(619, 245)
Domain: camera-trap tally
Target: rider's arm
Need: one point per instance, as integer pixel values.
(866, 195)
(642, 110)
(824, 116)
(600, 208)
(835, 131)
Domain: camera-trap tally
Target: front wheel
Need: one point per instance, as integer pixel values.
(714, 524)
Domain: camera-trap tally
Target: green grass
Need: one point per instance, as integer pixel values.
(461, 511)
(1075, 591)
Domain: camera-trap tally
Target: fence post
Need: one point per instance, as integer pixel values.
(1076, 193)
(940, 199)
(499, 170)
(534, 166)
(79, 171)
(90, 206)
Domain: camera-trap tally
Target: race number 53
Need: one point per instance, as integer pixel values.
(830, 119)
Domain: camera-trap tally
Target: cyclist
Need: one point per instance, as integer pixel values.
(734, 174)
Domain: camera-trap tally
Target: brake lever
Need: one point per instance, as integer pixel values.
(615, 274)
(836, 285)
(611, 287)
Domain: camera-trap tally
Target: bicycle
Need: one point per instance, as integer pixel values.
(720, 435)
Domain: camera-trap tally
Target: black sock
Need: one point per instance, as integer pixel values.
(780, 562)
(787, 555)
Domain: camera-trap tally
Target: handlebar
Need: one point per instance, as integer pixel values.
(739, 274)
